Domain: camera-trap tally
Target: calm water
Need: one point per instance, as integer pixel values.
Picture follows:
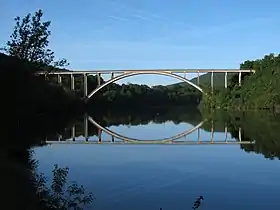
(171, 175)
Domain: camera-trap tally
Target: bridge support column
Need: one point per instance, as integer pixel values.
(73, 132)
(226, 132)
(212, 131)
(198, 135)
(112, 75)
(98, 79)
(99, 135)
(113, 139)
(72, 82)
(198, 78)
(212, 81)
(239, 134)
(85, 86)
(58, 79)
(226, 80)
(86, 127)
(239, 78)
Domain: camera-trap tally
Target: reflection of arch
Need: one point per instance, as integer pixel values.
(130, 74)
(132, 140)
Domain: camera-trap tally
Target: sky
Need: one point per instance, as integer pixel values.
(153, 34)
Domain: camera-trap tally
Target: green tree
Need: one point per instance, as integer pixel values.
(29, 41)
(59, 195)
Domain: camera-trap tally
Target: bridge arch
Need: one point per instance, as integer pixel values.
(130, 74)
(133, 140)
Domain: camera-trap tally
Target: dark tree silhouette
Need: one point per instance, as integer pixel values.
(29, 41)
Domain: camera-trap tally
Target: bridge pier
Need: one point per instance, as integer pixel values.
(86, 126)
(98, 79)
(226, 132)
(239, 134)
(58, 79)
(73, 132)
(198, 134)
(212, 131)
(198, 78)
(212, 81)
(85, 86)
(239, 78)
(226, 79)
(112, 75)
(72, 82)
(99, 135)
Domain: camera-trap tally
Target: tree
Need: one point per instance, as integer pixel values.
(29, 41)
(59, 195)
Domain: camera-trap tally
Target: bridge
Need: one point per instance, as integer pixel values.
(116, 75)
(116, 138)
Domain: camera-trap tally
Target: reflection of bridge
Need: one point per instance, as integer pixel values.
(120, 139)
(179, 74)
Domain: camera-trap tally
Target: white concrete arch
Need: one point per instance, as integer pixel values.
(130, 74)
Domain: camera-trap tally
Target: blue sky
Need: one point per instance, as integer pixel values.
(130, 34)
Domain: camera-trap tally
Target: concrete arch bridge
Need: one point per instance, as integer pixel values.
(116, 75)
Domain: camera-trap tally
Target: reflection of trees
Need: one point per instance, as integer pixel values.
(17, 172)
(262, 127)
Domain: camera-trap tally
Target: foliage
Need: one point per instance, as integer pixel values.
(29, 41)
(143, 95)
(58, 195)
(205, 80)
(259, 90)
(28, 53)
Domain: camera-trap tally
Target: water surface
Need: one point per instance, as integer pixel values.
(171, 176)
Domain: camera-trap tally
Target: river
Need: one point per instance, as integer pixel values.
(229, 159)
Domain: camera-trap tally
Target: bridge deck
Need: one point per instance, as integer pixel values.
(151, 70)
(158, 143)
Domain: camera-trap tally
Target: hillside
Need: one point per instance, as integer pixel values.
(205, 80)
(258, 91)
